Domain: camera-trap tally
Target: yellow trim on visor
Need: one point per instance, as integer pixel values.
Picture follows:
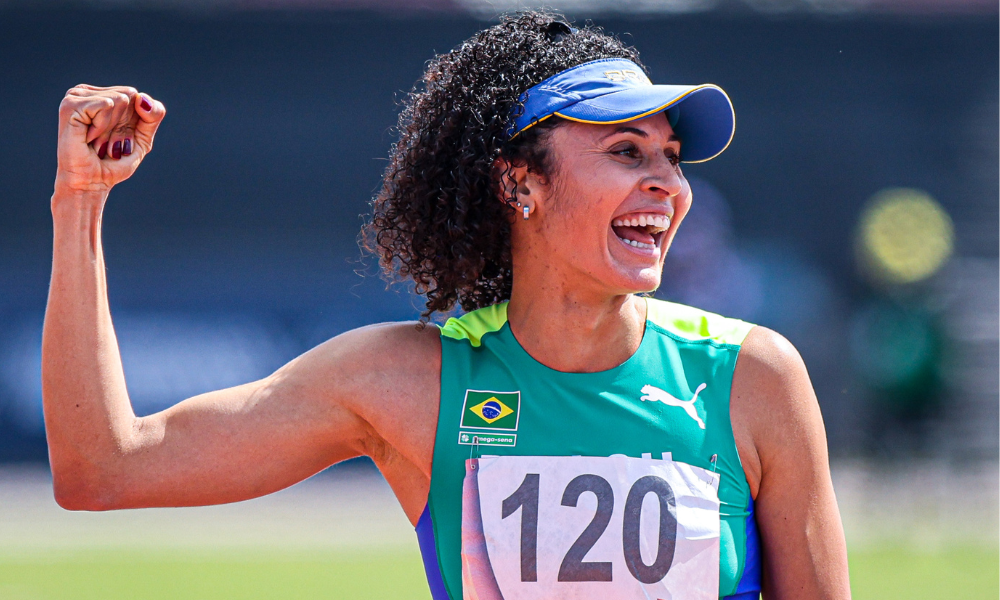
(532, 124)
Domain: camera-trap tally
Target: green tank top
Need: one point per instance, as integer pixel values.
(623, 484)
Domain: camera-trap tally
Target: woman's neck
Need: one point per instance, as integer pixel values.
(568, 332)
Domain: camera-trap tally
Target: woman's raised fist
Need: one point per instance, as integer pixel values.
(104, 133)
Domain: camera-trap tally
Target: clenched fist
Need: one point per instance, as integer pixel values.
(104, 133)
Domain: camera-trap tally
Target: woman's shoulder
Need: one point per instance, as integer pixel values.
(772, 389)
(773, 407)
(404, 340)
(387, 352)
(769, 362)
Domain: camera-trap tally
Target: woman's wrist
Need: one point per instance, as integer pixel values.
(76, 218)
(67, 200)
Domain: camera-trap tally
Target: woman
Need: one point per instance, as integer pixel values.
(568, 437)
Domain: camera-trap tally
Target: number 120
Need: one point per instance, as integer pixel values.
(573, 567)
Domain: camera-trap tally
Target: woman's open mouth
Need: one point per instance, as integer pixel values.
(642, 231)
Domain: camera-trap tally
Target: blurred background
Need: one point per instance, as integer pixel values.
(856, 212)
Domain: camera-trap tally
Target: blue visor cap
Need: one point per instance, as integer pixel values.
(613, 90)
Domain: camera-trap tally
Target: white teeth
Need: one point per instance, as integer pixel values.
(660, 224)
(636, 244)
(656, 223)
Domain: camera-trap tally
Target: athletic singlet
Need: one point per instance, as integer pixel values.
(622, 484)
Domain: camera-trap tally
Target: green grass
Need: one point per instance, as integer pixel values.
(173, 576)
(884, 574)
(967, 573)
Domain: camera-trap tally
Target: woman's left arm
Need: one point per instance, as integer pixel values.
(782, 442)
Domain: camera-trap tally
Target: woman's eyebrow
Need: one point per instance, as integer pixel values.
(638, 132)
(625, 129)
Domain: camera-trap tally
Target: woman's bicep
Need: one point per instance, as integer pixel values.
(805, 554)
(257, 438)
(232, 445)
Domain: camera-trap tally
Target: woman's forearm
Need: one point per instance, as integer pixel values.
(89, 420)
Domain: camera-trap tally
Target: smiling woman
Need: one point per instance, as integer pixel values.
(567, 437)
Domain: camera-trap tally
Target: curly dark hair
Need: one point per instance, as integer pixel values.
(437, 218)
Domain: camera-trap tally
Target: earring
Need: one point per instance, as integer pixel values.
(526, 209)
(519, 205)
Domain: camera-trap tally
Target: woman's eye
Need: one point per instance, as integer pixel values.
(674, 159)
(629, 151)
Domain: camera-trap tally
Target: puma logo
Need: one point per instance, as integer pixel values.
(655, 394)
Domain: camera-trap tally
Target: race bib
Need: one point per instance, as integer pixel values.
(589, 528)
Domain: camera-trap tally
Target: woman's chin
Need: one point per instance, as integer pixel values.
(637, 274)
(647, 284)
(636, 280)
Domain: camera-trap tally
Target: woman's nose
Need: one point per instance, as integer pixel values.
(664, 178)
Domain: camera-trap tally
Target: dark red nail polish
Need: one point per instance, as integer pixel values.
(116, 150)
(102, 151)
(146, 106)
(127, 147)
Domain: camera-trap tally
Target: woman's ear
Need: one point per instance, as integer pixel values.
(512, 181)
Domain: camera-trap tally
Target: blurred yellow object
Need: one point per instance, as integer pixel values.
(904, 236)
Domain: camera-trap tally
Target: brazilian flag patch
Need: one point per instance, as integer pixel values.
(491, 410)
